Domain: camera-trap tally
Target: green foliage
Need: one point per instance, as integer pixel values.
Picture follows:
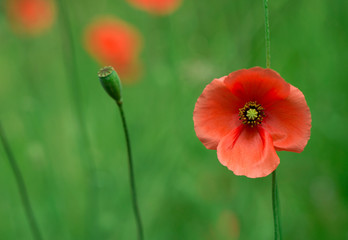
(183, 190)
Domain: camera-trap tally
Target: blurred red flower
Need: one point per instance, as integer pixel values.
(157, 7)
(249, 115)
(114, 42)
(31, 16)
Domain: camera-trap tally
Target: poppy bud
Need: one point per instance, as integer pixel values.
(111, 83)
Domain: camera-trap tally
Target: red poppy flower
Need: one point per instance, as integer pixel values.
(116, 43)
(31, 16)
(157, 7)
(249, 115)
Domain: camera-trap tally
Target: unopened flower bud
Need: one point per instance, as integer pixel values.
(111, 83)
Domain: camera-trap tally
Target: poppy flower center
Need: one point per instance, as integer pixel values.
(251, 114)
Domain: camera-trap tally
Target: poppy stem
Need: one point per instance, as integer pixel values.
(275, 198)
(275, 204)
(267, 38)
(21, 187)
(112, 85)
(131, 175)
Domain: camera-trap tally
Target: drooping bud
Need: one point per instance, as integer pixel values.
(111, 83)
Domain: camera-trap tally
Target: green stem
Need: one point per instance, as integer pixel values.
(131, 176)
(21, 187)
(275, 205)
(268, 42)
(275, 200)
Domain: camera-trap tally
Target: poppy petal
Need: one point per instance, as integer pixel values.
(156, 7)
(249, 152)
(31, 16)
(112, 41)
(215, 114)
(289, 122)
(265, 86)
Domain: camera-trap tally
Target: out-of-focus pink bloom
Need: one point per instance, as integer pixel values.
(114, 42)
(30, 16)
(157, 7)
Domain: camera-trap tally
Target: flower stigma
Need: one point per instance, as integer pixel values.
(251, 114)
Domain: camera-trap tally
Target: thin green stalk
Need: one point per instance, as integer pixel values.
(21, 187)
(71, 68)
(275, 199)
(111, 83)
(268, 42)
(275, 205)
(131, 176)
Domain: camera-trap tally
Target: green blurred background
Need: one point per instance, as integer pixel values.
(183, 190)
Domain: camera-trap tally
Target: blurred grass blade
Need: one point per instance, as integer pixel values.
(21, 187)
(70, 62)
